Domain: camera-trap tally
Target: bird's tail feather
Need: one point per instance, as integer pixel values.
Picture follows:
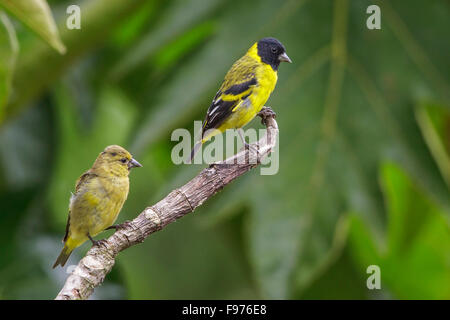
(194, 151)
(63, 256)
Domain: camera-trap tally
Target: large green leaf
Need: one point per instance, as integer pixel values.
(36, 14)
(414, 262)
(413, 257)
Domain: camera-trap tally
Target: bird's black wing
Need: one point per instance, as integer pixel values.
(218, 112)
(236, 87)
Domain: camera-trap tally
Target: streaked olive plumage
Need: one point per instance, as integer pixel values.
(246, 88)
(99, 196)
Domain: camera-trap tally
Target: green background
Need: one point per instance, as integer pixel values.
(364, 119)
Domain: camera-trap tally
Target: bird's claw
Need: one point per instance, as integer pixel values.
(98, 243)
(266, 112)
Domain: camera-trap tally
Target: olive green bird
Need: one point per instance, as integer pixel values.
(99, 196)
(246, 88)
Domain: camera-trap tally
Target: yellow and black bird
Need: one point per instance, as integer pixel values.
(244, 91)
(99, 196)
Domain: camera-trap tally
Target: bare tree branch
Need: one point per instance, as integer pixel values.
(99, 260)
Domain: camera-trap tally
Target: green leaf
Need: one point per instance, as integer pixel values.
(36, 14)
(415, 262)
(9, 49)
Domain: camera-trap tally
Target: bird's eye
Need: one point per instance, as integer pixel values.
(274, 50)
(123, 160)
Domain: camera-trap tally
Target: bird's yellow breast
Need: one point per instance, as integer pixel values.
(267, 79)
(97, 206)
(248, 108)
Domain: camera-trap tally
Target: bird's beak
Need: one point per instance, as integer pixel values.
(284, 58)
(133, 164)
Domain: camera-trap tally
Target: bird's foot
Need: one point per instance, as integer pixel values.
(97, 243)
(266, 112)
(121, 226)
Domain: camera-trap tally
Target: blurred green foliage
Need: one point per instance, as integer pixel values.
(364, 120)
